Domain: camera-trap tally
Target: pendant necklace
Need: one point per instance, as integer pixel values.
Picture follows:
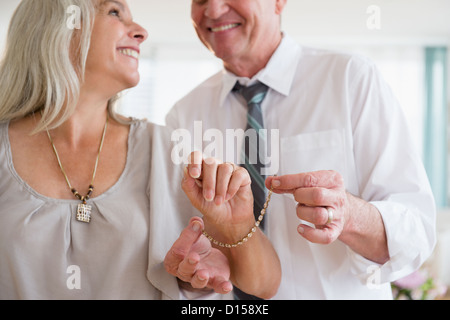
(83, 210)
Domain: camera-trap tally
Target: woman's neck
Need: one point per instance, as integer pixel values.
(86, 123)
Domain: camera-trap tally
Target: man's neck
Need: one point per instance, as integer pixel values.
(249, 66)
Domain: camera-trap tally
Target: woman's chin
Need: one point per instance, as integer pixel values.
(131, 83)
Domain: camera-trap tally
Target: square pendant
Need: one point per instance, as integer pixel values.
(84, 213)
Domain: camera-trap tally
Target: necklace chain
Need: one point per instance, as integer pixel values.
(83, 207)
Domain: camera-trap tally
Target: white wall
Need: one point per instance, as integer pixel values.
(6, 11)
(318, 21)
(424, 20)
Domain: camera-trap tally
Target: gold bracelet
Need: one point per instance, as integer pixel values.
(249, 235)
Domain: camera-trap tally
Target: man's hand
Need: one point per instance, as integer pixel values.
(194, 261)
(355, 222)
(320, 195)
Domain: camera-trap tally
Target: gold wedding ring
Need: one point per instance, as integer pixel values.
(330, 215)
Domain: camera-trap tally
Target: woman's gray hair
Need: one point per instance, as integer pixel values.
(45, 59)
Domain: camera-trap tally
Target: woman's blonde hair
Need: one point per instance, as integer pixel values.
(45, 59)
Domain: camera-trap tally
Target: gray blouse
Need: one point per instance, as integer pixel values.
(45, 253)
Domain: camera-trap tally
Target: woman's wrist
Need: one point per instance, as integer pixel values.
(238, 235)
(232, 236)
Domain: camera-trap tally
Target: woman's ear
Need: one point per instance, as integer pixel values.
(279, 6)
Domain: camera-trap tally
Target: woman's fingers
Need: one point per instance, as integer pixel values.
(218, 182)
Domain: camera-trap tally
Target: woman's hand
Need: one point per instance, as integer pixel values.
(222, 193)
(192, 260)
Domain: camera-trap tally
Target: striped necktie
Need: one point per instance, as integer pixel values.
(255, 142)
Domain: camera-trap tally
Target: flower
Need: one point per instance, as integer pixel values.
(413, 281)
(419, 285)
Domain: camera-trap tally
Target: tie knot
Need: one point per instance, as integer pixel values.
(253, 94)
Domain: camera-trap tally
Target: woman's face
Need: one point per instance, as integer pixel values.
(112, 60)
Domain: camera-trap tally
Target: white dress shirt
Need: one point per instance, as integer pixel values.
(333, 112)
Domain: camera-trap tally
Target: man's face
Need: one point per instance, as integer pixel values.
(238, 29)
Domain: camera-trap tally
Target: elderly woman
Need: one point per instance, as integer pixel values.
(82, 211)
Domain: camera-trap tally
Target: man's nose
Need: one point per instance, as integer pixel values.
(216, 8)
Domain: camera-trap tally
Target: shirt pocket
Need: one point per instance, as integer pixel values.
(324, 150)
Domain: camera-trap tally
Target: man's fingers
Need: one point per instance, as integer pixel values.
(315, 215)
(325, 235)
(319, 197)
(288, 183)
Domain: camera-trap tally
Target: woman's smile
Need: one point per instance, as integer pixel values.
(130, 52)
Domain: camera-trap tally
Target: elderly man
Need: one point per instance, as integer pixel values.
(352, 209)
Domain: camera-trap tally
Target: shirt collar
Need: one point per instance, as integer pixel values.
(280, 71)
(277, 75)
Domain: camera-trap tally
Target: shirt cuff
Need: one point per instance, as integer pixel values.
(410, 242)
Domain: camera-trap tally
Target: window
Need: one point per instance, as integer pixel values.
(165, 80)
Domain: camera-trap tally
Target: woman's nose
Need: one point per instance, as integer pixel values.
(139, 33)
